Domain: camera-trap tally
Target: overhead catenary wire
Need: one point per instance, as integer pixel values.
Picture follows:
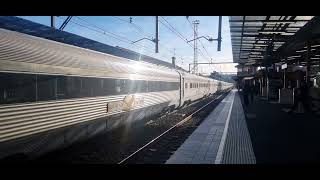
(171, 28)
(140, 29)
(98, 29)
(129, 41)
(113, 35)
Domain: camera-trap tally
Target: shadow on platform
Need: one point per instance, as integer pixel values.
(280, 137)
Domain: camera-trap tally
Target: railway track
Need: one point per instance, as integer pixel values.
(159, 149)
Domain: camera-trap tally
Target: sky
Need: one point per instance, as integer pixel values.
(173, 32)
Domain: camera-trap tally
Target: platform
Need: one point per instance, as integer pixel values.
(222, 138)
(281, 137)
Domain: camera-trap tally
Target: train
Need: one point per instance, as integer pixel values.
(54, 94)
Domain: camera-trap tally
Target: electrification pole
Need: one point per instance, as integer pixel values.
(52, 21)
(157, 35)
(195, 47)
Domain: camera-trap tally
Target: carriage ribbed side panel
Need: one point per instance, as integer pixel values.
(29, 118)
(21, 52)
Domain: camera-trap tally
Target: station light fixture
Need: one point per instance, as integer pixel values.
(304, 50)
(262, 45)
(277, 22)
(272, 32)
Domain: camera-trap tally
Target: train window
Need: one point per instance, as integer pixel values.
(150, 86)
(186, 85)
(171, 86)
(17, 88)
(163, 86)
(94, 86)
(98, 86)
(133, 86)
(46, 87)
(143, 86)
(62, 87)
(109, 87)
(86, 87)
(121, 86)
(117, 86)
(153, 86)
(71, 86)
(174, 86)
(139, 86)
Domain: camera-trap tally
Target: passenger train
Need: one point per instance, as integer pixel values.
(53, 94)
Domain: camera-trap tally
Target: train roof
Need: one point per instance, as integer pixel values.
(39, 30)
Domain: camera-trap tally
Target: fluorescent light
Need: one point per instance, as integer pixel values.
(301, 51)
(294, 56)
(260, 44)
(271, 32)
(278, 22)
(305, 50)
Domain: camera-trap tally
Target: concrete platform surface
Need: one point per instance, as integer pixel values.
(206, 145)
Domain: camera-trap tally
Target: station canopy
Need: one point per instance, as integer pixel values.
(283, 37)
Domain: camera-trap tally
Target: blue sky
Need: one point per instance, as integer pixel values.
(118, 31)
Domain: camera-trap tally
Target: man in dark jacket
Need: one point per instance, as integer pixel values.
(301, 96)
(245, 93)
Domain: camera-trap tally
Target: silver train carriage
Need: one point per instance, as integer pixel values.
(54, 94)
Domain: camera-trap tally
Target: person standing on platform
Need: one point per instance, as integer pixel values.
(305, 96)
(245, 93)
(257, 87)
(300, 96)
(251, 91)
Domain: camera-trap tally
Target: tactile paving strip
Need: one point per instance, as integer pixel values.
(238, 147)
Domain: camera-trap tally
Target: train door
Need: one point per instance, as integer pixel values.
(183, 87)
(181, 92)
